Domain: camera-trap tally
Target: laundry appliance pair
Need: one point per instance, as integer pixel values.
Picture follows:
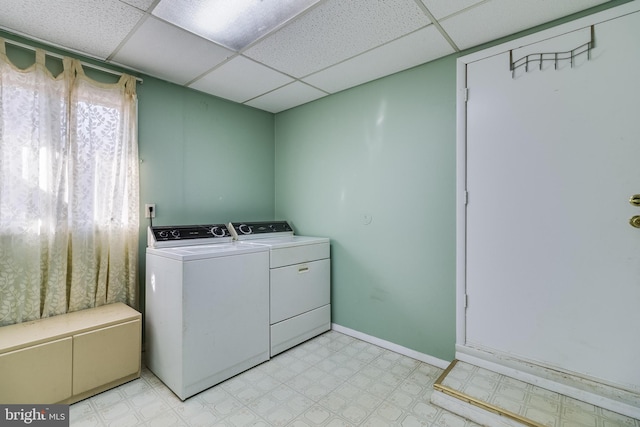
(222, 298)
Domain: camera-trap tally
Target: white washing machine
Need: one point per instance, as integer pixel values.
(206, 306)
(299, 277)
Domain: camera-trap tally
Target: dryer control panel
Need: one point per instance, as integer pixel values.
(255, 230)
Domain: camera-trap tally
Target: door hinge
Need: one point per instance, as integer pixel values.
(466, 94)
(466, 300)
(466, 198)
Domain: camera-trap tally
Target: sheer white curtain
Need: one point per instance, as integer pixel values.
(68, 191)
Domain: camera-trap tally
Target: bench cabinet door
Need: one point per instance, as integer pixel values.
(38, 374)
(105, 355)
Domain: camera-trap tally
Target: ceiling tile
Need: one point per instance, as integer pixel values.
(417, 48)
(335, 31)
(240, 79)
(95, 28)
(140, 4)
(442, 8)
(500, 18)
(170, 53)
(286, 97)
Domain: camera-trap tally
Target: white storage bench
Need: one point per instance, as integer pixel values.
(66, 358)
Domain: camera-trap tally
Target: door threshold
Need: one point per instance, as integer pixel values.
(487, 397)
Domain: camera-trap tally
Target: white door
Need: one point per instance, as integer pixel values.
(553, 156)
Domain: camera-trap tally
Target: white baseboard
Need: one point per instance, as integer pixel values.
(442, 364)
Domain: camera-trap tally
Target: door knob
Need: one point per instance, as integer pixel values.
(635, 221)
(635, 200)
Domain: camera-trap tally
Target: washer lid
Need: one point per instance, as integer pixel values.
(191, 253)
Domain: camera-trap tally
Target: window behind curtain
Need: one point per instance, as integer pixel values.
(68, 191)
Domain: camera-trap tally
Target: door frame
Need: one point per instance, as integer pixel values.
(578, 387)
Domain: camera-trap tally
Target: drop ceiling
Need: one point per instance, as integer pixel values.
(330, 46)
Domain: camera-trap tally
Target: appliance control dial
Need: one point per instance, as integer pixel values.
(175, 233)
(244, 229)
(217, 231)
(164, 234)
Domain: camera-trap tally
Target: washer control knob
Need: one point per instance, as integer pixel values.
(164, 234)
(175, 233)
(244, 229)
(217, 231)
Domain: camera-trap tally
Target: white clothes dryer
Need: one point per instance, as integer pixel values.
(299, 277)
(206, 306)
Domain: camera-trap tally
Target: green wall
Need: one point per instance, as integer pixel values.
(203, 159)
(373, 168)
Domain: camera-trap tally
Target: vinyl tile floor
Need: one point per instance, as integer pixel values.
(330, 380)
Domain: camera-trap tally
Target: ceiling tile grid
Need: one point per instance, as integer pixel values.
(169, 52)
(294, 94)
(406, 52)
(498, 18)
(94, 28)
(232, 24)
(443, 8)
(337, 30)
(330, 46)
(140, 4)
(240, 79)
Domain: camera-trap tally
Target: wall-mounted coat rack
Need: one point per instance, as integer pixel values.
(556, 57)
